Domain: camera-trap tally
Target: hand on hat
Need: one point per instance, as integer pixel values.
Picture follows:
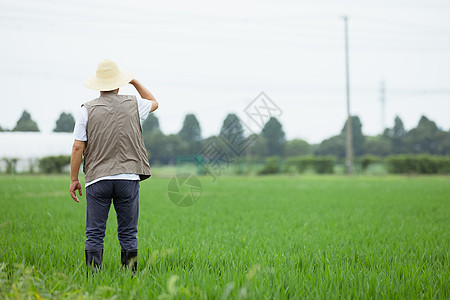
(145, 93)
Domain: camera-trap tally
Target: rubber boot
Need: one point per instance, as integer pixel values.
(129, 259)
(94, 260)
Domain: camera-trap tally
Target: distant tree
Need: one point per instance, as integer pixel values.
(163, 149)
(215, 142)
(191, 134)
(214, 148)
(297, 147)
(332, 146)
(155, 144)
(336, 145)
(25, 123)
(274, 134)
(358, 136)
(1, 129)
(211, 140)
(444, 143)
(315, 148)
(150, 124)
(398, 134)
(65, 123)
(174, 146)
(424, 138)
(258, 145)
(380, 145)
(232, 133)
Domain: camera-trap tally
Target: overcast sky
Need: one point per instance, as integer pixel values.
(212, 58)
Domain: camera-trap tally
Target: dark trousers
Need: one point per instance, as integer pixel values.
(125, 197)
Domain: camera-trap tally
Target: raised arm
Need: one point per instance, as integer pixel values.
(145, 93)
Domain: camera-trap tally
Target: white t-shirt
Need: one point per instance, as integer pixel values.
(79, 133)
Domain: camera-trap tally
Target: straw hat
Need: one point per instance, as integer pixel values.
(108, 77)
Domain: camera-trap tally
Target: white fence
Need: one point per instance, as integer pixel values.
(28, 147)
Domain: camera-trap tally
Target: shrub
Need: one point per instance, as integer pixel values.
(54, 164)
(444, 166)
(300, 163)
(324, 164)
(320, 164)
(271, 166)
(368, 160)
(419, 164)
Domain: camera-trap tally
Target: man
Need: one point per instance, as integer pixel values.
(109, 136)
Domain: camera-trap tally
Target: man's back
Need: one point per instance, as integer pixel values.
(114, 138)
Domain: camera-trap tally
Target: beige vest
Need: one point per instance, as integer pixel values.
(114, 138)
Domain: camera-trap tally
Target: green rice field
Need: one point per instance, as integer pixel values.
(278, 237)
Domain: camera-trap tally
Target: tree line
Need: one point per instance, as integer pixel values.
(426, 138)
(232, 141)
(65, 123)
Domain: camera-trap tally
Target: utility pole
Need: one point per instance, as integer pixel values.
(383, 105)
(349, 135)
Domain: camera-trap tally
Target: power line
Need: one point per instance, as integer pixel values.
(417, 26)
